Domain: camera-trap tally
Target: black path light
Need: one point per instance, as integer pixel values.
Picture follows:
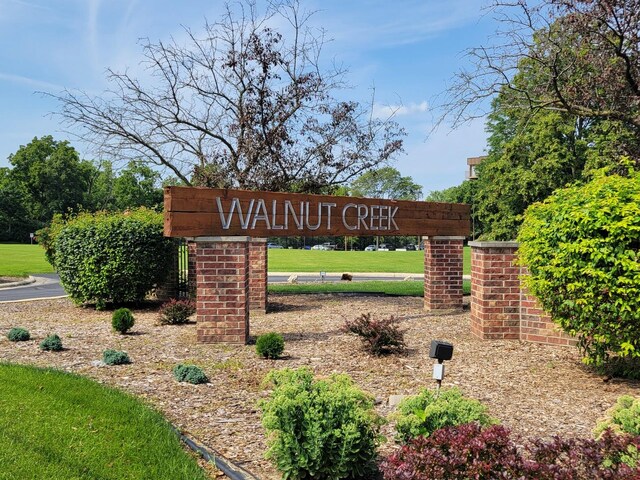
(441, 351)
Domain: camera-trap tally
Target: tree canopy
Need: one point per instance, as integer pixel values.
(386, 182)
(240, 104)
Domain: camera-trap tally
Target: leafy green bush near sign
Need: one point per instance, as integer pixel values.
(320, 428)
(581, 247)
(102, 257)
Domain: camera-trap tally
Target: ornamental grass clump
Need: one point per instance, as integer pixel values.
(423, 414)
(176, 312)
(51, 344)
(320, 428)
(379, 337)
(18, 334)
(115, 357)
(122, 320)
(190, 374)
(270, 345)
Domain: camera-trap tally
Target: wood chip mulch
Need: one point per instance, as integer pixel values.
(536, 390)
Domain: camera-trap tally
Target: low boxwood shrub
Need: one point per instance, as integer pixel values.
(115, 357)
(52, 343)
(426, 412)
(471, 451)
(270, 345)
(175, 311)
(320, 428)
(623, 417)
(379, 337)
(122, 320)
(109, 257)
(18, 334)
(190, 374)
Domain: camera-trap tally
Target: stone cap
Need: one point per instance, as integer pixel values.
(494, 244)
(220, 239)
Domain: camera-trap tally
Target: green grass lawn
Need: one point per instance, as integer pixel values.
(338, 261)
(20, 260)
(54, 425)
(404, 288)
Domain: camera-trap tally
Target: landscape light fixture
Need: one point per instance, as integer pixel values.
(441, 351)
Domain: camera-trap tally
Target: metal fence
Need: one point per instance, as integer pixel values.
(183, 269)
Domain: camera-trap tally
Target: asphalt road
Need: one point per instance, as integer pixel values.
(48, 285)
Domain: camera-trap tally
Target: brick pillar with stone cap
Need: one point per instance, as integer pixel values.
(443, 274)
(258, 263)
(222, 292)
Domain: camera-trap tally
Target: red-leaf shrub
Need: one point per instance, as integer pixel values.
(379, 337)
(469, 451)
(175, 312)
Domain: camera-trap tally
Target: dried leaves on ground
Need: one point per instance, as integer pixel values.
(535, 390)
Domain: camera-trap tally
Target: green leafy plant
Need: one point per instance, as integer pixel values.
(189, 373)
(115, 357)
(109, 257)
(422, 414)
(18, 334)
(623, 417)
(270, 345)
(322, 429)
(379, 337)
(52, 343)
(122, 320)
(175, 311)
(582, 252)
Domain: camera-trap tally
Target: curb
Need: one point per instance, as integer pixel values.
(19, 283)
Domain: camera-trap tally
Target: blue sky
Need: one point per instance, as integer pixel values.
(407, 49)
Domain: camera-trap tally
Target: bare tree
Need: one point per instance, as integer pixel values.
(576, 56)
(238, 105)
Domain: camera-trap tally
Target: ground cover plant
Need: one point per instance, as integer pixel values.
(177, 311)
(19, 260)
(623, 417)
(18, 334)
(423, 414)
(407, 288)
(122, 320)
(270, 345)
(72, 427)
(115, 357)
(379, 336)
(52, 343)
(319, 428)
(190, 374)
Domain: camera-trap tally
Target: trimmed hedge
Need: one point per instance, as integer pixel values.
(109, 257)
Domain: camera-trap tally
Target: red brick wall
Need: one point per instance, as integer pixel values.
(258, 274)
(222, 298)
(536, 326)
(443, 273)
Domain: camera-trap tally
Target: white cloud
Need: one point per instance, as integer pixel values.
(30, 82)
(391, 111)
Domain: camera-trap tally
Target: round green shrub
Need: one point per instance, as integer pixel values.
(190, 374)
(18, 334)
(426, 412)
(324, 429)
(52, 343)
(623, 417)
(270, 345)
(109, 257)
(175, 312)
(582, 250)
(115, 357)
(122, 320)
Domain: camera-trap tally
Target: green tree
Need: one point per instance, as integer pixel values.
(386, 182)
(137, 185)
(15, 221)
(52, 176)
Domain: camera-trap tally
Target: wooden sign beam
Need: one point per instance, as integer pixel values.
(198, 212)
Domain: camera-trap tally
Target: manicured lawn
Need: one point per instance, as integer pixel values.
(54, 425)
(19, 260)
(404, 288)
(338, 261)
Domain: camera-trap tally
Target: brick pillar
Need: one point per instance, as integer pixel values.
(168, 288)
(443, 274)
(258, 274)
(191, 266)
(495, 290)
(222, 298)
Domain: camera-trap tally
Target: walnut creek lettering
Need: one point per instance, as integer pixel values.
(306, 215)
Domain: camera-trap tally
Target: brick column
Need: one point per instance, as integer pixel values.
(258, 274)
(495, 290)
(222, 298)
(443, 274)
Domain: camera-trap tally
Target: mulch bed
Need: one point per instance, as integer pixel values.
(536, 390)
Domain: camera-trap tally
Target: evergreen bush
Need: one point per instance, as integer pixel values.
(190, 374)
(122, 320)
(52, 343)
(322, 429)
(18, 334)
(423, 414)
(115, 357)
(270, 345)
